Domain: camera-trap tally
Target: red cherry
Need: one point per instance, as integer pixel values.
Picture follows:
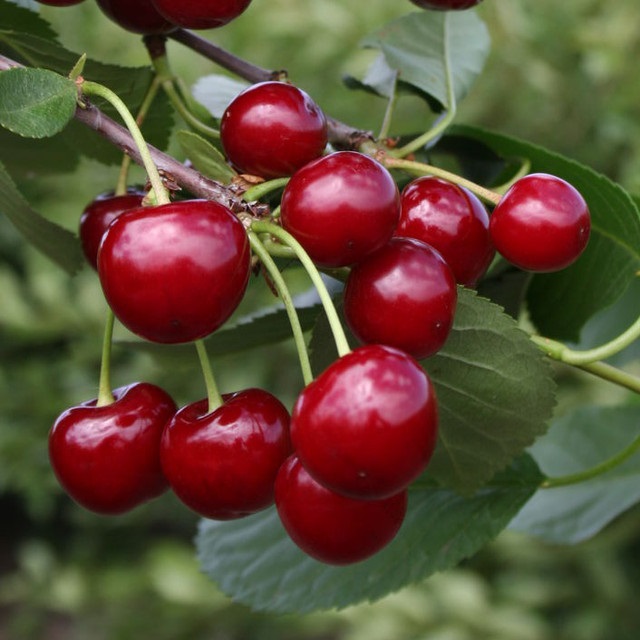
(175, 272)
(332, 528)
(541, 224)
(200, 14)
(272, 129)
(403, 296)
(99, 214)
(367, 426)
(453, 221)
(60, 3)
(341, 208)
(138, 16)
(107, 458)
(446, 5)
(223, 464)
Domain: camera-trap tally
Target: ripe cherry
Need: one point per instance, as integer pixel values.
(446, 5)
(341, 208)
(99, 214)
(138, 16)
(175, 272)
(332, 528)
(223, 464)
(404, 296)
(541, 224)
(367, 426)
(453, 221)
(271, 129)
(107, 458)
(200, 14)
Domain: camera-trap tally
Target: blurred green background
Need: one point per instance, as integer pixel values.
(563, 77)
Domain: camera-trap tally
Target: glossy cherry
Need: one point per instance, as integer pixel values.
(367, 426)
(404, 296)
(446, 5)
(99, 214)
(175, 272)
(107, 458)
(341, 208)
(138, 16)
(271, 129)
(541, 224)
(200, 14)
(223, 464)
(332, 528)
(453, 221)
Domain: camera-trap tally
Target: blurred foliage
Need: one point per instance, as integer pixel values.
(563, 78)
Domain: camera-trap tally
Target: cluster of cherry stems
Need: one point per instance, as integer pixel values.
(339, 467)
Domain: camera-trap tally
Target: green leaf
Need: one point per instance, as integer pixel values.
(560, 303)
(495, 394)
(57, 243)
(36, 103)
(215, 92)
(206, 158)
(432, 50)
(21, 18)
(576, 442)
(254, 561)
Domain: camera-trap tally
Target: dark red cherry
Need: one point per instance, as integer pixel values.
(223, 464)
(138, 16)
(541, 224)
(367, 426)
(341, 208)
(446, 5)
(99, 214)
(271, 129)
(403, 296)
(200, 14)
(332, 528)
(175, 272)
(107, 458)
(453, 221)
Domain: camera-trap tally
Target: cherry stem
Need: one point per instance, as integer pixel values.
(285, 295)
(213, 395)
(264, 188)
(262, 226)
(93, 88)
(105, 394)
(422, 169)
(595, 471)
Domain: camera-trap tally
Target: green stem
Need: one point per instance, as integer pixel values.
(262, 226)
(593, 472)
(93, 88)
(285, 295)
(264, 188)
(422, 169)
(105, 395)
(213, 395)
(388, 114)
(179, 105)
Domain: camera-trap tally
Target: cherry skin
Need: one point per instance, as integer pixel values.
(99, 214)
(367, 426)
(108, 458)
(137, 16)
(223, 464)
(453, 221)
(541, 224)
(60, 3)
(446, 5)
(332, 528)
(271, 129)
(403, 296)
(175, 272)
(341, 208)
(200, 14)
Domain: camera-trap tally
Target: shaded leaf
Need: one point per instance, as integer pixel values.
(215, 92)
(206, 158)
(21, 17)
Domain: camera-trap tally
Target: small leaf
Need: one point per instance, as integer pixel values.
(215, 92)
(254, 561)
(57, 243)
(576, 442)
(206, 158)
(36, 103)
(432, 50)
